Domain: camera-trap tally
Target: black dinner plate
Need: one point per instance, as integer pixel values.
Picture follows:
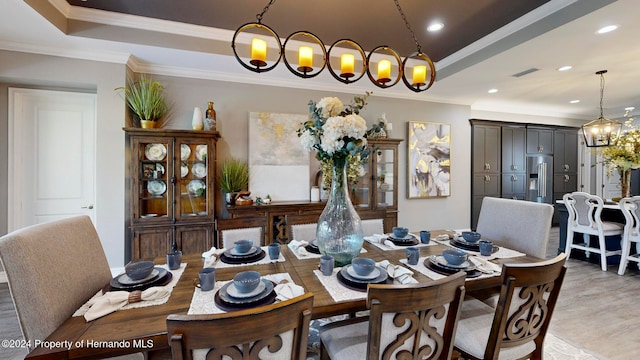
(461, 244)
(232, 259)
(439, 260)
(313, 248)
(225, 305)
(411, 242)
(360, 284)
(163, 278)
(447, 271)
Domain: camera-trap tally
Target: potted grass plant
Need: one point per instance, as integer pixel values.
(146, 100)
(233, 178)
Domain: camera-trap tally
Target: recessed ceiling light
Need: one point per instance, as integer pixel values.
(492, 91)
(436, 26)
(564, 68)
(574, 101)
(607, 29)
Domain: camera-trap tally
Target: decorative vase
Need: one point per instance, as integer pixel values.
(339, 232)
(197, 122)
(148, 124)
(625, 179)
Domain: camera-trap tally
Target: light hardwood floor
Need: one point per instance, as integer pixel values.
(597, 311)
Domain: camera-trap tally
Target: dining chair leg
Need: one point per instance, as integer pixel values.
(626, 248)
(568, 243)
(603, 252)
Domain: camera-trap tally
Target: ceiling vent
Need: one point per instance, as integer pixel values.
(523, 73)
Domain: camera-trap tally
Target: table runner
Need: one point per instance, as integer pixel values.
(436, 276)
(217, 263)
(203, 302)
(176, 277)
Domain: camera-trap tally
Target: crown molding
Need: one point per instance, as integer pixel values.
(85, 54)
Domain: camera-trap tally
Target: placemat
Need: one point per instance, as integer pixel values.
(302, 255)
(203, 302)
(434, 275)
(338, 291)
(389, 245)
(217, 263)
(177, 273)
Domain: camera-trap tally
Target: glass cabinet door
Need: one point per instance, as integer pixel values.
(361, 194)
(385, 188)
(152, 179)
(192, 178)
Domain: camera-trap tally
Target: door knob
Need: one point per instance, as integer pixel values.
(87, 207)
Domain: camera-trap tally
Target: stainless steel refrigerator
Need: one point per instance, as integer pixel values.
(540, 178)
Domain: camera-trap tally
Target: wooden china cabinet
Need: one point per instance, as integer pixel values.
(170, 181)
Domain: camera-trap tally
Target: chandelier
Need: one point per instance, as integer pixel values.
(601, 131)
(346, 60)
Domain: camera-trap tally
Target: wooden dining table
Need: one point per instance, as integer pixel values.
(144, 329)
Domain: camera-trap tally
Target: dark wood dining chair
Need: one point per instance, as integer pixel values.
(279, 330)
(516, 328)
(252, 228)
(413, 321)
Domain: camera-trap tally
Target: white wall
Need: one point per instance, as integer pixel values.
(233, 102)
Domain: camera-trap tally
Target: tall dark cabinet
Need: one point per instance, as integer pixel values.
(499, 159)
(486, 164)
(514, 162)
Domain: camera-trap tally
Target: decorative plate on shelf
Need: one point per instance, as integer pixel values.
(155, 152)
(184, 170)
(196, 187)
(199, 170)
(201, 152)
(185, 151)
(156, 187)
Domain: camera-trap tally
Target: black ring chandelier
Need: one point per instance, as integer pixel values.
(345, 59)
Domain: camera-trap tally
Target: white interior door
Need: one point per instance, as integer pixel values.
(51, 156)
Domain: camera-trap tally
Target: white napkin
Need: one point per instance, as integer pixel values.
(399, 273)
(207, 254)
(379, 239)
(484, 265)
(114, 300)
(299, 247)
(288, 291)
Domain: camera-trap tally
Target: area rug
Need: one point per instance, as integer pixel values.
(554, 347)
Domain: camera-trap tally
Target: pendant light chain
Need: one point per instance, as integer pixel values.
(266, 8)
(601, 91)
(406, 22)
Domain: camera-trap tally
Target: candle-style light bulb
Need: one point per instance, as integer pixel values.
(305, 59)
(258, 52)
(347, 65)
(384, 71)
(419, 75)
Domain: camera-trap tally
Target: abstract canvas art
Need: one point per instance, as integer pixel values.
(278, 166)
(429, 160)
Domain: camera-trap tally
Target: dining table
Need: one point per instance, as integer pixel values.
(143, 329)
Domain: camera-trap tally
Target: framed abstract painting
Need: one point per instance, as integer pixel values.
(428, 160)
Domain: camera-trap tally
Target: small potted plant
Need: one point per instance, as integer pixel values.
(146, 100)
(233, 178)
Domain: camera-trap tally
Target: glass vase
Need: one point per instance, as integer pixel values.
(625, 179)
(339, 232)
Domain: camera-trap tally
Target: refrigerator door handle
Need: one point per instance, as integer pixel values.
(542, 189)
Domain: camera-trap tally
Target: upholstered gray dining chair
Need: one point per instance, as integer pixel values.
(585, 212)
(53, 268)
(516, 224)
(413, 321)
(631, 234)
